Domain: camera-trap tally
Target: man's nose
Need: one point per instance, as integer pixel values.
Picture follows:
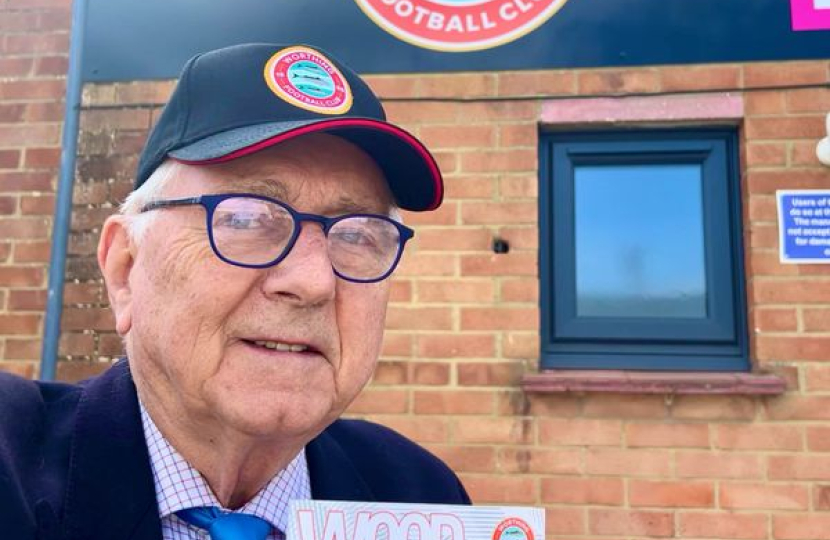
(305, 276)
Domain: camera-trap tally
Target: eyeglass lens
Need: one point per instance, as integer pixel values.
(252, 231)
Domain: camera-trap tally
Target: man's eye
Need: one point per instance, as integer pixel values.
(239, 221)
(355, 238)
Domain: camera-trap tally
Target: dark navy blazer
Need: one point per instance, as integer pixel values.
(74, 464)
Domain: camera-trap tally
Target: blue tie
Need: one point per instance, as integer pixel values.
(226, 525)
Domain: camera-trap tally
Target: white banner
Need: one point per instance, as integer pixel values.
(345, 520)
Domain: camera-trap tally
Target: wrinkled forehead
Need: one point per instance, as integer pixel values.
(320, 173)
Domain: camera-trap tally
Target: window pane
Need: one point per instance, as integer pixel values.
(639, 241)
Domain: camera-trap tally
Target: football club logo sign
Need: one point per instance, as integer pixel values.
(459, 25)
(513, 529)
(305, 78)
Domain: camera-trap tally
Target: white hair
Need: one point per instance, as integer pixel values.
(150, 190)
(395, 213)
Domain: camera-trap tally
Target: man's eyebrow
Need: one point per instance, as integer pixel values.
(264, 186)
(347, 205)
(271, 187)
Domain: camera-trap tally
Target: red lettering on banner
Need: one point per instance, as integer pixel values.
(367, 526)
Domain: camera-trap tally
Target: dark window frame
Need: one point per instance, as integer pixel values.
(716, 343)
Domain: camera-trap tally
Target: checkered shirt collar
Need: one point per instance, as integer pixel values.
(180, 486)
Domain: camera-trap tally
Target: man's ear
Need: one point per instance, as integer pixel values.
(116, 254)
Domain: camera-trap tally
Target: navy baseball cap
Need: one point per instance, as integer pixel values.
(235, 101)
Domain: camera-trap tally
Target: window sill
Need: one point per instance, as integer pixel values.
(651, 382)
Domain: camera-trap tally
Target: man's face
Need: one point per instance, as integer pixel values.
(193, 321)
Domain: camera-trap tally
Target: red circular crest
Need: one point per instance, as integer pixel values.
(305, 78)
(459, 25)
(513, 529)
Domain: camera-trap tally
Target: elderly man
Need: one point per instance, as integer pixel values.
(248, 277)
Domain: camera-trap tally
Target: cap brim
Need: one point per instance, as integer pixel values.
(411, 171)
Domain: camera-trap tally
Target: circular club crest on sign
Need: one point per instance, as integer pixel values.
(459, 25)
(305, 78)
(513, 529)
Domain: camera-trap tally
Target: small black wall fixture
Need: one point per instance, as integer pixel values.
(500, 246)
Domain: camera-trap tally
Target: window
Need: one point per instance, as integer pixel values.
(640, 251)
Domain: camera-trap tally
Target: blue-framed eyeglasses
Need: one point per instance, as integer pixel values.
(254, 231)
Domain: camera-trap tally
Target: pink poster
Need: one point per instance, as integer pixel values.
(810, 14)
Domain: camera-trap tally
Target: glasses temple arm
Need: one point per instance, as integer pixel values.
(171, 202)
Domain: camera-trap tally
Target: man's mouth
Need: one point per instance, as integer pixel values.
(280, 346)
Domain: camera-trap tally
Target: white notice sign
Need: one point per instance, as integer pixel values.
(804, 225)
(344, 520)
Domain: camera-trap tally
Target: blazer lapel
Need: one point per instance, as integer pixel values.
(111, 494)
(332, 474)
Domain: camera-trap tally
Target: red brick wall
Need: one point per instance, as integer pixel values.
(463, 324)
(34, 40)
